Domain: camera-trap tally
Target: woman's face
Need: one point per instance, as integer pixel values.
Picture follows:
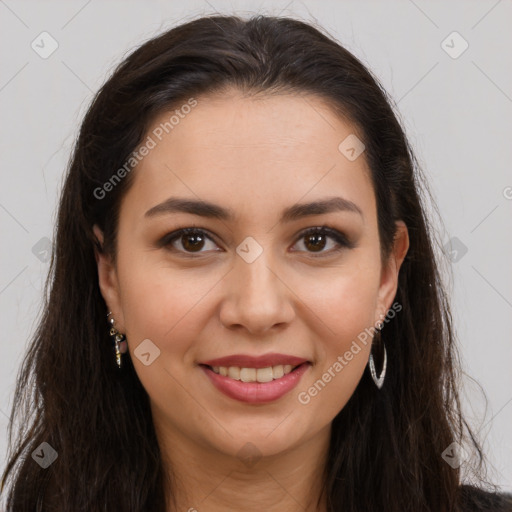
(250, 283)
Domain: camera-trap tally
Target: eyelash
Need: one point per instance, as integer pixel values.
(337, 236)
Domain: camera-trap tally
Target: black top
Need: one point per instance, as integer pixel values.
(474, 499)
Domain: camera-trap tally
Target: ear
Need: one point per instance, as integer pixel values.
(108, 281)
(389, 274)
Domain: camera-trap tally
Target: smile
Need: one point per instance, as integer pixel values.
(267, 374)
(255, 385)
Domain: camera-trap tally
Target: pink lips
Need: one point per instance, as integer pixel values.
(264, 361)
(256, 392)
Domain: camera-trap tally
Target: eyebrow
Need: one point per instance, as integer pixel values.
(211, 210)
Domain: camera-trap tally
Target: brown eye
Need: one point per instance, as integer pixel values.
(192, 240)
(316, 239)
(315, 242)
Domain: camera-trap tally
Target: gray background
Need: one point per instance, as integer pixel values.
(456, 112)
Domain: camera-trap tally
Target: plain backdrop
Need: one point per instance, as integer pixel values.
(445, 64)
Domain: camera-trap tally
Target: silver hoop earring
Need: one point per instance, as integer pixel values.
(379, 381)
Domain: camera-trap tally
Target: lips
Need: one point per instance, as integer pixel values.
(256, 392)
(263, 361)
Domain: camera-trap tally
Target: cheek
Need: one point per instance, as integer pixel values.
(343, 304)
(162, 303)
(166, 306)
(343, 299)
(344, 311)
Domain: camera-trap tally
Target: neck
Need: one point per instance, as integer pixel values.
(204, 478)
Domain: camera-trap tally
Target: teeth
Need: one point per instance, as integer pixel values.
(233, 372)
(254, 374)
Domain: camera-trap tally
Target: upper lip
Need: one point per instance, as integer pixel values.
(263, 361)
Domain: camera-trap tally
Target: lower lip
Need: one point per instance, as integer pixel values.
(256, 392)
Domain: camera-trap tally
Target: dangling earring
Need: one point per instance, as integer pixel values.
(119, 341)
(379, 381)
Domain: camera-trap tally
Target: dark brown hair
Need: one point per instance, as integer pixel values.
(386, 444)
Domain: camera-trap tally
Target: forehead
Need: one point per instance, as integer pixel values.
(246, 152)
(230, 125)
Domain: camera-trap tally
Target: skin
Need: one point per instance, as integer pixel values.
(256, 155)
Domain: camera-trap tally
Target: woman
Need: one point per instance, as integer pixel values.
(245, 311)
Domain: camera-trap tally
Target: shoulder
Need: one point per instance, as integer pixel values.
(474, 499)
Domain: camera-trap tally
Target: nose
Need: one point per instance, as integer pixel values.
(257, 298)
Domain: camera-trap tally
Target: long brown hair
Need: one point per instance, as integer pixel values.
(386, 445)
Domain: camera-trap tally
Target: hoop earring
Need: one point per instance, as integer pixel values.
(379, 381)
(120, 344)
